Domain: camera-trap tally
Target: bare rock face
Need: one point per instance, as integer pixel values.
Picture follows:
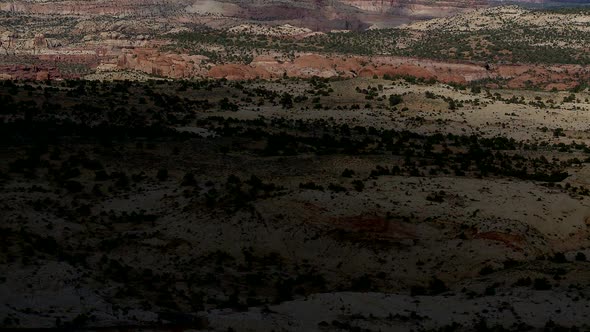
(153, 62)
(42, 75)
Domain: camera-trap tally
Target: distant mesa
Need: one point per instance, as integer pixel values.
(321, 15)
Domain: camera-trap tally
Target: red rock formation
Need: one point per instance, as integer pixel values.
(239, 72)
(376, 227)
(513, 241)
(42, 75)
(22, 72)
(307, 65)
(153, 62)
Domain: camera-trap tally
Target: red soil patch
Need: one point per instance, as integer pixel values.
(377, 226)
(510, 240)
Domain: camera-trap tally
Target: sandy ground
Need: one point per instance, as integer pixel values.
(490, 118)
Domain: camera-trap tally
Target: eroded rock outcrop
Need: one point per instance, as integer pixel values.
(306, 65)
(154, 62)
(25, 72)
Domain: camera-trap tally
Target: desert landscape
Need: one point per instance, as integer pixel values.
(294, 166)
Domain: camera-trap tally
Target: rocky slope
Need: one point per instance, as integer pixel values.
(311, 12)
(100, 7)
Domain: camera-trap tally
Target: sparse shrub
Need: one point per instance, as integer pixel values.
(188, 180)
(336, 188)
(486, 270)
(437, 286)
(362, 284)
(101, 175)
(541, 284)
(417, 291)
(73, 186)
(311, 186)
(347, 173)
(358, 185)
(559, 258)
(395, 100)
(437, 197)
(162, 174)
